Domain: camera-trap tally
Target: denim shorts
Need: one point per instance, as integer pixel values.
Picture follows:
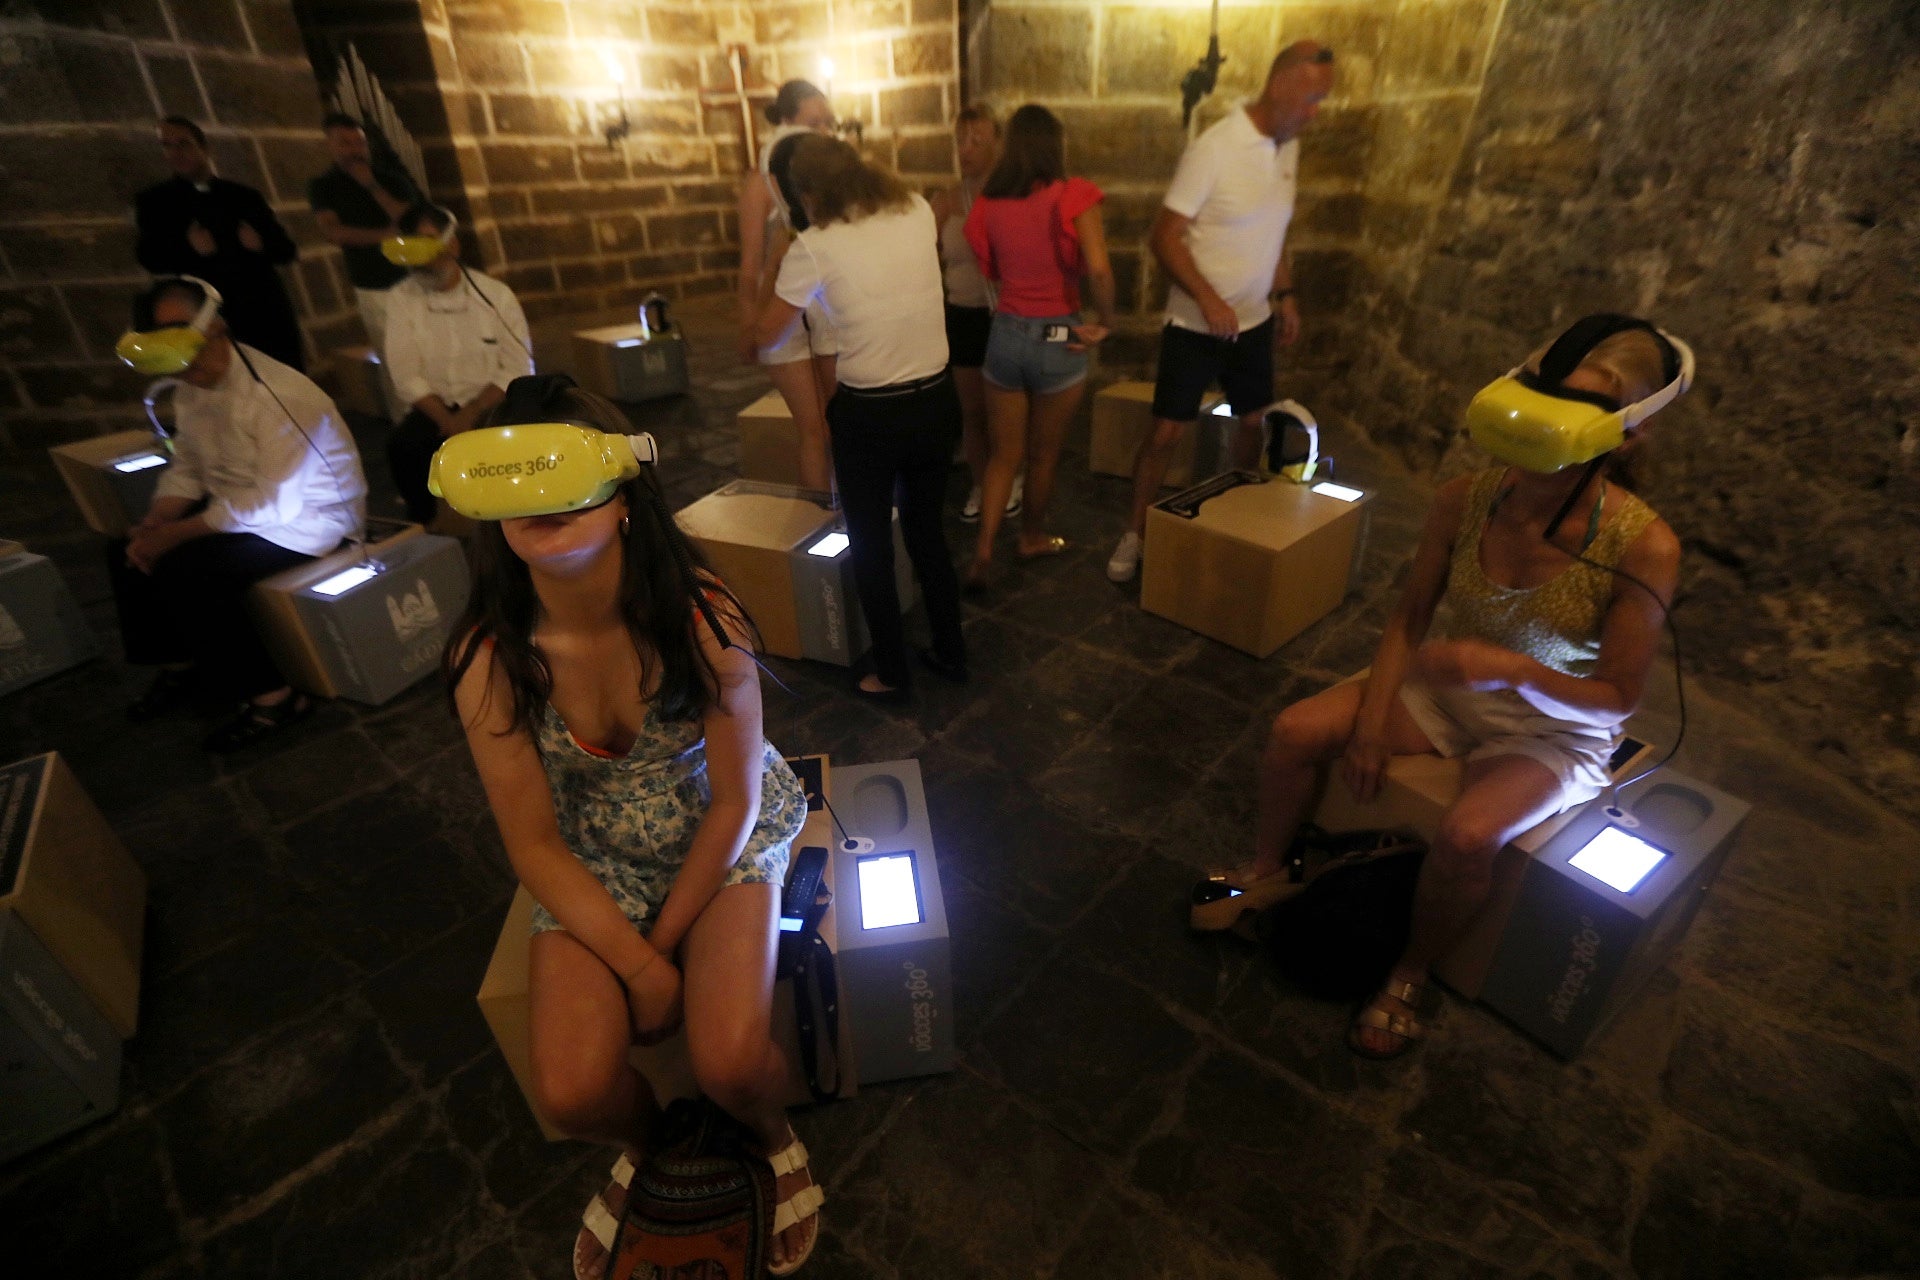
(1019, 358)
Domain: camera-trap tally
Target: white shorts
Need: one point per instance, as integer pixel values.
(814, 336)
(1482, 725)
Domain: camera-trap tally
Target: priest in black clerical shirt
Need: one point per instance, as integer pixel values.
(224, 232)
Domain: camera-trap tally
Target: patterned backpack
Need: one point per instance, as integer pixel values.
(700, 1207)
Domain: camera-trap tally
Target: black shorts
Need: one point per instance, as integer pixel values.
(967, 330)
(1191, 362)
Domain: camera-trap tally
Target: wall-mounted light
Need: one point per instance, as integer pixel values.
(616, 131)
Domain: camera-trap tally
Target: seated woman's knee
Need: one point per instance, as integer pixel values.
(730, 1069)
(575, 1099)
(1298, 734)
(1465, 846)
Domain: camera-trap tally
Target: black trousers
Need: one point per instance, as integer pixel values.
(907, 441)
(410, 449)
(193, 608)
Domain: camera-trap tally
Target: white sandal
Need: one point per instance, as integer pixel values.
(601, 1223)
(804, 1204)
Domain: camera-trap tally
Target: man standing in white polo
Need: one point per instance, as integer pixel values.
(1221, 238)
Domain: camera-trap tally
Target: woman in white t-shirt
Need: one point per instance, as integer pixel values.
(870, 260)
(801, 365)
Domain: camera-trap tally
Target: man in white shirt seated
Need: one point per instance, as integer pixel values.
(1221, 238)
(455, 339)
(265, 476)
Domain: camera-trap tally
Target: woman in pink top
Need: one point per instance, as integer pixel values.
(1036, 232)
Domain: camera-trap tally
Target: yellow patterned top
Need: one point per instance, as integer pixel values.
(1558, 622)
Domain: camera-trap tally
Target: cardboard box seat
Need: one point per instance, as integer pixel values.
(773, 547)
(1251, 562)
(376, 637)
(631, 362)
(360, 383)
(112, 477)
(769, 444)
(1123, 417)
(42, 631)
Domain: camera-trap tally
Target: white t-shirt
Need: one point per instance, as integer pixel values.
(448, 343)
(234, 446)
(1237, 187)
(878, 280)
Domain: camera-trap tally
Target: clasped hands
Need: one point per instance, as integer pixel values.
(151, 539)
(653, 1000)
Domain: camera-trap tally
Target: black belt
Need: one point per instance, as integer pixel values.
(927, 383)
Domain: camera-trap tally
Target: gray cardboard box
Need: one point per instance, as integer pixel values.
(1575, 949)
(41, 630)
(380, 635)
(631, 362)
(112, 477)
(896, 971)
(59, 1057)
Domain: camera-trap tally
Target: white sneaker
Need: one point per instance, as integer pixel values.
(1017, 498)
(1125, 560)
(971, 512)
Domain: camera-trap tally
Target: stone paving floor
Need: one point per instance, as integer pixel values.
(313, 1092)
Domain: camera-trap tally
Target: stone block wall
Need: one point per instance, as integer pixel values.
(1745, 174)
(511, 100)
(81, 85)
(1373, 166)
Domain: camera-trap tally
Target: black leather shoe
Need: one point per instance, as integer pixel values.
(170, 689)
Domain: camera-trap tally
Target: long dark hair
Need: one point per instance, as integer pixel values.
(1033, 154)
(656, 598)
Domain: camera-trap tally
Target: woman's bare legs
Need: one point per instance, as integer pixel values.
(1051, 414)
(578, 1039)
(1305, 738)
(578, 1036)
(1007, 444)
(729, 956)
(800, 383)
(972, 387)
(1503, 797)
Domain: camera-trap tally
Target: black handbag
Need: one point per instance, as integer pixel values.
(805, 957)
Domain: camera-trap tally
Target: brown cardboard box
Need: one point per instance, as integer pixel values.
(1123, 417)
(593, 351)
(630, 362)
(64, 872)
(1255, 563)
(295, 650)
(360, 382)
(1414, 792)
(503, 1002)
(112, 502)
(769, 445)
(757, 536)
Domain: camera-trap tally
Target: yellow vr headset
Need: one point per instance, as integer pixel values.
(416, 250)
(1533, 421)
(539, 468)
(162, 351)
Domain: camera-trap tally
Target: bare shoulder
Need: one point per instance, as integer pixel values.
(1450, 506)
(1657, 549)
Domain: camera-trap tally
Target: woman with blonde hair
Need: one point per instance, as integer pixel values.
(870, 261)
(801, 365)
(1557, 580)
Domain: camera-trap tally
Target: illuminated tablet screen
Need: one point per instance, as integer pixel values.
(829, 547)
(628, 342)
(1340, 491)
(889, 890)
(1618, 858)
(144, 462)
(1223, 410)
(346, 580)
